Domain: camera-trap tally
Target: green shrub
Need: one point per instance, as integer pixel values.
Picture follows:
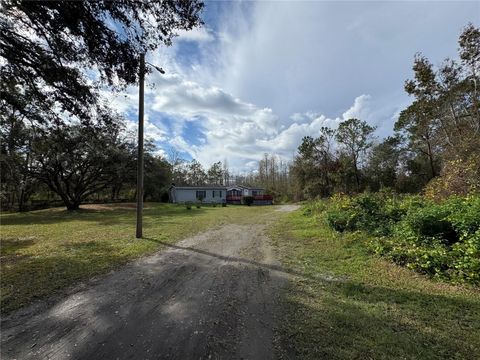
(314, 208)
(438, 239)
(466, 253)
(247, 200)
(374, 213)
(339, 220)
(188, 205)
(430, 222)
(465, 214)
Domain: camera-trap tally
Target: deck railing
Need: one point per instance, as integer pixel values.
(256, 197)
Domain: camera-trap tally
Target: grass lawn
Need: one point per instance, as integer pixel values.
(348, 304)
(45, 251)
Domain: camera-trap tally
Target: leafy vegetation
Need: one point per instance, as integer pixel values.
(344, 303)
(247, 200)
(52, 67)
(45, 251)
(439, 239)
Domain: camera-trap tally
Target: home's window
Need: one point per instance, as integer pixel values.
(220, 193)
(254, 193)
(201, 194)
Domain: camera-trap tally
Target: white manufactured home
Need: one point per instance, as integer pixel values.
(205, 194)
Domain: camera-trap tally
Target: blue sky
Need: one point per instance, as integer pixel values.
(258, 76)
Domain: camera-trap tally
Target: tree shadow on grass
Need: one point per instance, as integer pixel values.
(351, 320)
(326, 317)
(337, 322)
(164, 217)
(33, 278)
(103, 217)
(237, 259)
(8, 246)
(359, 321)
(56, 216)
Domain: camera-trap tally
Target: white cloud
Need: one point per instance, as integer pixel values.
(197, 34)
(233, 129)
(151, 131)
(360, 108)
(230, 128)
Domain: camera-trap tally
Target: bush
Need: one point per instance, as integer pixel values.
(188, 205)
(375, 213)
(439, 239)
(465, 214)
(430, 222)
(340, 220)
(247, 200)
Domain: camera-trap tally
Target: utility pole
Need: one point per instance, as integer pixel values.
(140, 149)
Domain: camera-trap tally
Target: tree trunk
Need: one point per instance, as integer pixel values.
(21, 200)
(357, 178)
(73, 206)
(430, 159)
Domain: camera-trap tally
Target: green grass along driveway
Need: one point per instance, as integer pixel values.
(45, 251)
(349, 304)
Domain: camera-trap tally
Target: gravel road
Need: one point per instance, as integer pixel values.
(211, 296)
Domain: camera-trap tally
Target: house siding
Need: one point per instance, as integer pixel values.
(186, 195)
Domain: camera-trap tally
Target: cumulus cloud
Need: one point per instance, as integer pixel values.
(197, 34)
(231, 128)
(360, 108)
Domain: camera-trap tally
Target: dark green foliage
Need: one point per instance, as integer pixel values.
(430, 222)
(66, 39)
(76, 161)
(438, 239)
(247, 200)
(371, 212)
(157, 176)
(164, 198)
(339, 220)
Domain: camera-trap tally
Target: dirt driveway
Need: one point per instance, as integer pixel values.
(212, 296)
